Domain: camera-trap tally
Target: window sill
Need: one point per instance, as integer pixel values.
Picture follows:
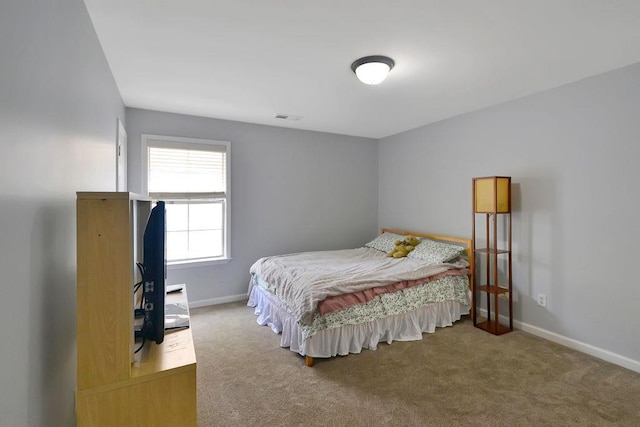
(197, 263)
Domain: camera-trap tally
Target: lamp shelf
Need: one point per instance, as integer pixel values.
(493, 289)
(491, 215)
(493, 327)
(492, 251)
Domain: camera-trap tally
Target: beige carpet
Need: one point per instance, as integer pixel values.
(457, 376)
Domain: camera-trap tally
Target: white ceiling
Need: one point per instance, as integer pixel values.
(248, 60)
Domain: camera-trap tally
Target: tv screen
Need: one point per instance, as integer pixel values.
(154, 268)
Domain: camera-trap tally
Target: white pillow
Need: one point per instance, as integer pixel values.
(385, 242)
(435, 252)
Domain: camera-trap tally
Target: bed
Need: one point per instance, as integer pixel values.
(329, 303)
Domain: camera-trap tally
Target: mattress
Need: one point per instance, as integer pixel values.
(398, 316)
(301, 281)
(331, 303)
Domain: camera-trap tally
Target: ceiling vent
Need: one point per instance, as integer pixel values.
(288, 117)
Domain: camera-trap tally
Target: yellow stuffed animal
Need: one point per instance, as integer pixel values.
(403, 247)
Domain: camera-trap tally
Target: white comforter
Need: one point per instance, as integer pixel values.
(304, 279)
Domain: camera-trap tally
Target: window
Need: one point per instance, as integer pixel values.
(192, 177)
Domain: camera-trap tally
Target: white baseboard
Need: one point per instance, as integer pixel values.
(589, 349)
(216, 301)
(607, 355)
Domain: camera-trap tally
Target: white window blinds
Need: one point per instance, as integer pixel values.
(191, 171)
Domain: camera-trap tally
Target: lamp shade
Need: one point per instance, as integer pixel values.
(372, 70)
(492, 194)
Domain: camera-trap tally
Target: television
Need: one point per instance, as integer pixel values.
(154, 275)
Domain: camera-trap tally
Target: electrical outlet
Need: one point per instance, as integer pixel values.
(542, 300)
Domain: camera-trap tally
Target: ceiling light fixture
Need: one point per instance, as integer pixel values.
(372, 70)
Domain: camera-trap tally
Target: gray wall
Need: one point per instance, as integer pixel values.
(291, 191)
(58, 111)
(573, 156)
